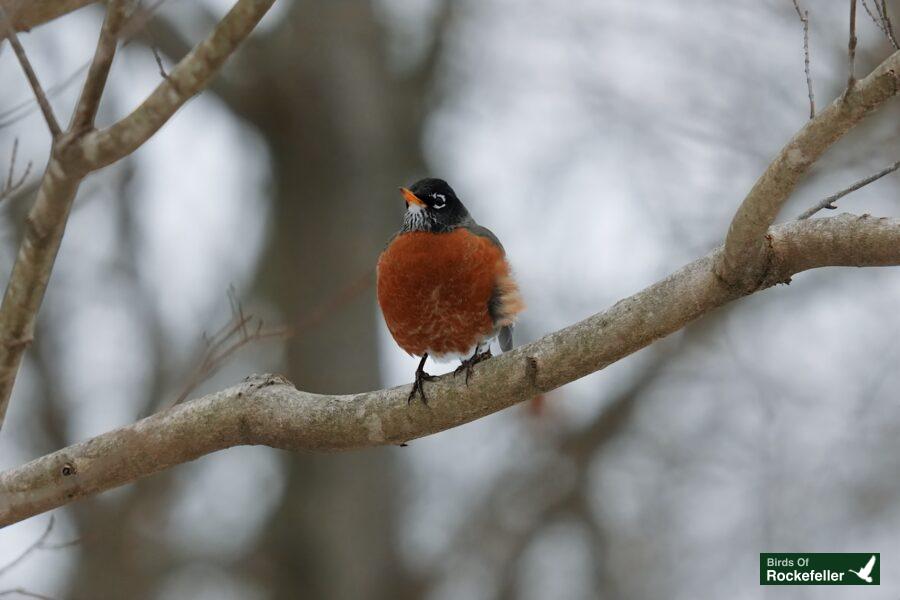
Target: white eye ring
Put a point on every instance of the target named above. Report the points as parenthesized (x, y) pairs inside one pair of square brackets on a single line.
[(440, 203)]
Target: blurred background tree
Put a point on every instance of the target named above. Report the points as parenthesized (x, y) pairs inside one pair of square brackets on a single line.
[(606, 143)]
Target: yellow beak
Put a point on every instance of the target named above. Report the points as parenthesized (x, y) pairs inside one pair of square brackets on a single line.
[(411, 198)]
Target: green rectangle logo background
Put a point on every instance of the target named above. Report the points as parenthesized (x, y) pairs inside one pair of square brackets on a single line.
[(790, 564)]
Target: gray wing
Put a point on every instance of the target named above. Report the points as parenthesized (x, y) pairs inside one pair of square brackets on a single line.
[(484, 232), (505, 337)]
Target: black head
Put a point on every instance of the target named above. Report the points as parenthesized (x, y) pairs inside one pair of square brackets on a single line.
[(432, 205)]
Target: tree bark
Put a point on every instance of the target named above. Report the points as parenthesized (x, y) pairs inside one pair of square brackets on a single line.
[(269, 410)]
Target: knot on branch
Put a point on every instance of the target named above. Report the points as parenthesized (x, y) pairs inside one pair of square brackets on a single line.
[(531, 370), (532, 375), (745, 280), (861, 102), (259, 381), (765, 271), (18, 343), (774, 272)]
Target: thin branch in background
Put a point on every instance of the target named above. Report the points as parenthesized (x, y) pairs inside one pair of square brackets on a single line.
[(875, 19), (888, 26), (36, 545), (804, 18), (140, 22), (158, 58), (25, 593), (851, 50), (154, 48), (30, 74), (828, 203), (12, 184), (242, 329)]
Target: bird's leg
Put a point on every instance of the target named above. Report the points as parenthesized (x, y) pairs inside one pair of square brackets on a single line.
[(421, 377), (468, 364)]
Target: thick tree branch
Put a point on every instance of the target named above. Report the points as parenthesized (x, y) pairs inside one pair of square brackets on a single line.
[(89, 102), (26, 14), (268, 410), (851, 49), (68, 165), (744, 259), (44, 228), (187, 79)]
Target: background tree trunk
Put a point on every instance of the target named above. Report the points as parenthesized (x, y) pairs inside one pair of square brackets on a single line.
[(335, 176)]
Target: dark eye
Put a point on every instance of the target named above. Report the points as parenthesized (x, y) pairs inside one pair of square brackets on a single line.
[(440, 201)]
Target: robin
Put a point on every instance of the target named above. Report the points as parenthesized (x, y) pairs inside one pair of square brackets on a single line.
[(444, 284)]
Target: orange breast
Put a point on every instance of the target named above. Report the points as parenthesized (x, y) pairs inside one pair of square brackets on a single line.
[(434, 290)]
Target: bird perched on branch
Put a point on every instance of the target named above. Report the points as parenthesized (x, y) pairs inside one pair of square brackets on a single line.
[(444, 284)]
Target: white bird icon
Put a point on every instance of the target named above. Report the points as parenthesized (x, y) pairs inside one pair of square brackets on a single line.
[(866, 572)]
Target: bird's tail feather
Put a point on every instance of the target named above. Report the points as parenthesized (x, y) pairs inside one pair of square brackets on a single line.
[(506, 338)]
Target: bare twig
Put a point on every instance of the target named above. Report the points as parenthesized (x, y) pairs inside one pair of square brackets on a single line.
[(804, 18), (244, 329), (888, 26), (36, 545), (140, 22), (851, 50), (875, 19), (154, 48), (13, 38), (89, 102), (158, 58), (240, 331), (828, 203), (26, 593), (12, 184)]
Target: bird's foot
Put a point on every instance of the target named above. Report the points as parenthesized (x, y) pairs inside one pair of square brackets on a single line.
[(469, 364), (417, 388)]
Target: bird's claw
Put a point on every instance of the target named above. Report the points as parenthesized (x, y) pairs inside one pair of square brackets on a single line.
[(421, 376), (469, 364)]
